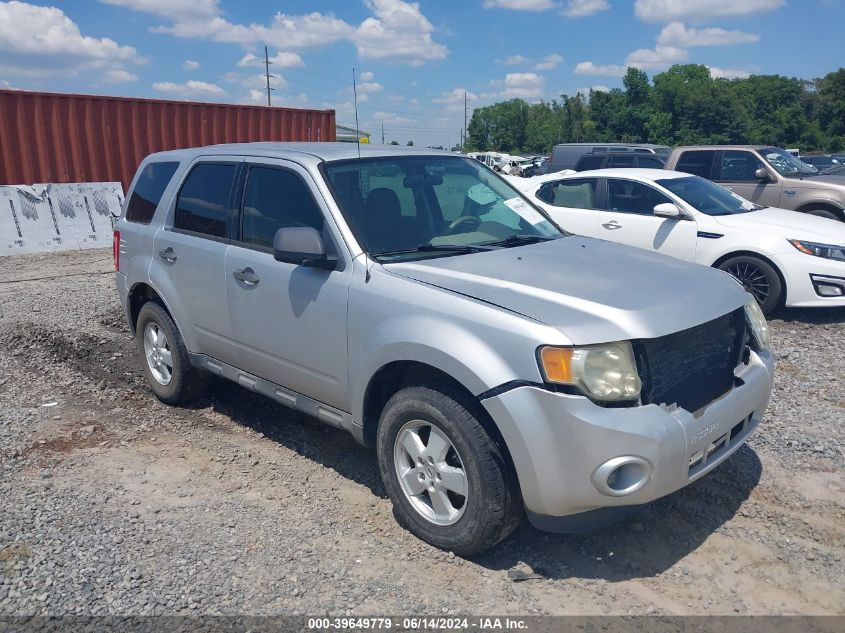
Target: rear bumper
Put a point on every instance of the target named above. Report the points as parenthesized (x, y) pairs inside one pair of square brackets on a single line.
[(564, 447)]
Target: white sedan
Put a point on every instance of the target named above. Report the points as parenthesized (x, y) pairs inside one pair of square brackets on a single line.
[(781, 257)]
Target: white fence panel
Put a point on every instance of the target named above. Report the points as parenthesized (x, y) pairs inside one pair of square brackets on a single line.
[(53, 217)]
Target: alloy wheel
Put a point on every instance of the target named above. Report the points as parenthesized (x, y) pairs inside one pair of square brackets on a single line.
[(752, 279), (430, 472), (157, 353)]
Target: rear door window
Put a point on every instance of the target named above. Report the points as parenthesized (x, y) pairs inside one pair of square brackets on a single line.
[(148, 190), (574, 193), (203, 205), (699, 163), (590, 162), (622, 161)]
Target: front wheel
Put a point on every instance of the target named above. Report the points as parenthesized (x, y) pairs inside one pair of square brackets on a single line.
[(759, 279), (446, 477)]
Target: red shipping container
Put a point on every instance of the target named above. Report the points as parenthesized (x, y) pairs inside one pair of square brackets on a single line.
[(58, 138)]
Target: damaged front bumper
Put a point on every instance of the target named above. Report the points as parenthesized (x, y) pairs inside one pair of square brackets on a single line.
[(574, 457)]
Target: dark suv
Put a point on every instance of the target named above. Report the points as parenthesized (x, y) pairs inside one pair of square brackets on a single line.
[(600, 161)]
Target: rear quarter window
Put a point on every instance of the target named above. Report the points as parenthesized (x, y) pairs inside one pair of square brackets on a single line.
[(148, 190)]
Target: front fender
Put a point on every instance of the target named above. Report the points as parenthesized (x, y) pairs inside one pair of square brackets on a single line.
[(392, 318)]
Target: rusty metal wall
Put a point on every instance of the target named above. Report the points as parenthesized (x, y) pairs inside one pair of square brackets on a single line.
[(60, 138)]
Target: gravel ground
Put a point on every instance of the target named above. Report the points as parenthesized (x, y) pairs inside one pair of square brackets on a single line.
[(114, 503)]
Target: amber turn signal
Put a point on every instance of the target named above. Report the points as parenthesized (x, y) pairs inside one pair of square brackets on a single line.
[(557, 364)]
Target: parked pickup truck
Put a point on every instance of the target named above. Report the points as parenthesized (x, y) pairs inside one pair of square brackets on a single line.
[(418, 301), (768, 176)]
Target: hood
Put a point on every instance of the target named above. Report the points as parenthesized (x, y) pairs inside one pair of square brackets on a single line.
[(787, 224), (591, 290)]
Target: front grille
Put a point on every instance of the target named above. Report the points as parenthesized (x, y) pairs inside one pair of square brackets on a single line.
[(693, 367)]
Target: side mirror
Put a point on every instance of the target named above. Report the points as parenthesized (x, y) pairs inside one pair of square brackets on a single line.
[(761, 174), (303, 246), (668, 210)]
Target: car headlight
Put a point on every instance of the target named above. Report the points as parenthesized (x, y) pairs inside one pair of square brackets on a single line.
[(828, 251), (760, 333), (606, 372)]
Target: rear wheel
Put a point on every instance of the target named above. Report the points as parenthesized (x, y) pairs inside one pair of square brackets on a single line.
[(164, 357), (448, 481), (758, 277)]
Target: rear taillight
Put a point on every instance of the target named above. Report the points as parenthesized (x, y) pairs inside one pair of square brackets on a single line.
[(115, 250)]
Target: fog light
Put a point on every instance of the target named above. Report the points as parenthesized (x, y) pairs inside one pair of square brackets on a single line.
[(622, 476), (828, 286), (826, 290)]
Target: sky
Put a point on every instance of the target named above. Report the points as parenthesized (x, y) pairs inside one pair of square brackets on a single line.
[(413, 61)]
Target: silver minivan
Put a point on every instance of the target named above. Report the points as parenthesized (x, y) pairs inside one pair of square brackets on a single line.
[(498, 365)]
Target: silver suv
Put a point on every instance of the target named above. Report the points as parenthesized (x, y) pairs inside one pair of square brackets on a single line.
[(418, 301)]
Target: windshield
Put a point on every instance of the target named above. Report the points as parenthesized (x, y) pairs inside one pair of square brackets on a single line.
[(415, 207), (786, 164), (707, 197)]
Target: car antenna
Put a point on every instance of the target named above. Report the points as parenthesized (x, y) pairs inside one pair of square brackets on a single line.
[(361, 183)]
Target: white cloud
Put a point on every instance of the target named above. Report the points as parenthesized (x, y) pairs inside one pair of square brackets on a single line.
[(281, 60), (455, 98), (608, 70), (699, 10), (549, 62), (190, 64), (515, 60), (728, 73), (285, 59), (523, 86), (119, 76), (248, 60), (658, 58), (173, 9), (520, 5), (398, 31), (190, 88), (369, 86), (582, 8), (43, 41), (677, 35), (367, 76)]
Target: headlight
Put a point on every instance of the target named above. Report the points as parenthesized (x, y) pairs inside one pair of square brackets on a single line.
[(762, 337), (605, 372), (828, 251)]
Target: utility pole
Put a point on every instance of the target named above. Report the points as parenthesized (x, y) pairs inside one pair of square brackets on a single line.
[(267, 73), (465, 117), (382, 133)]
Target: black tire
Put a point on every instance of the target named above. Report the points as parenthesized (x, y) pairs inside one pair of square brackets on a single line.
[(186, 382), (493, 506), (824, 213), (758, 277)]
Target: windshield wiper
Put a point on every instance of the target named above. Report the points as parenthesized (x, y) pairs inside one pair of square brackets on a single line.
[(431, 248), (519, 240)]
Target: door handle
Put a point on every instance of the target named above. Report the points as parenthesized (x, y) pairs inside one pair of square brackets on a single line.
[(167, 254), (246, 275), (613, 224)]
